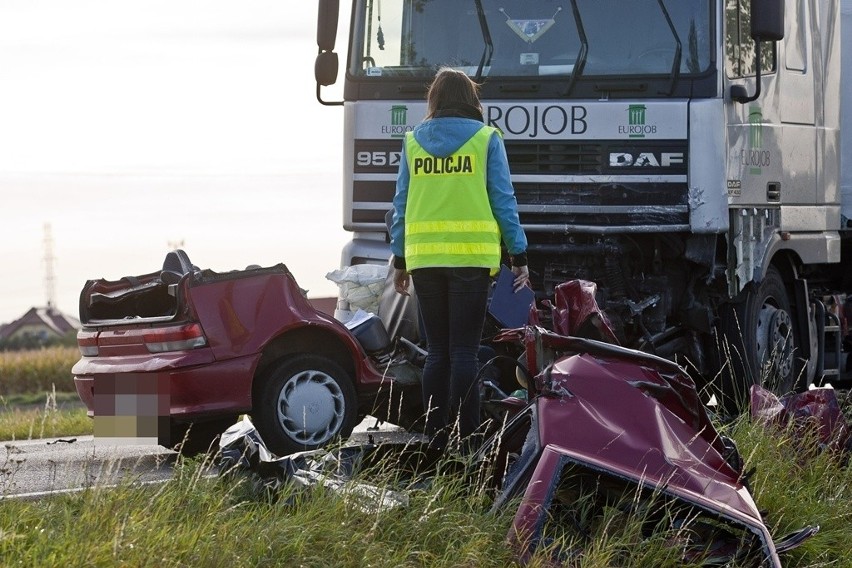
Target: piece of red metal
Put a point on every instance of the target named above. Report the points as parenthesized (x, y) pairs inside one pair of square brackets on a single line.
[(815, 410), (624, 419)]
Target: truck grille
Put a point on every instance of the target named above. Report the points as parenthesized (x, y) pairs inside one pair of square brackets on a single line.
[(553, 158), (579, 189)]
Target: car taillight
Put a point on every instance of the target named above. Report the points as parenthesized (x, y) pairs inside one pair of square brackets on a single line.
[(87, 341), (181, 338)]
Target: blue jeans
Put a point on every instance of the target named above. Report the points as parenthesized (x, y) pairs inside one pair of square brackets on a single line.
[(452, 304)]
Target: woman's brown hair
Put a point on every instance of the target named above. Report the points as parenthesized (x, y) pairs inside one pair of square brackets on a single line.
[(452, 89)]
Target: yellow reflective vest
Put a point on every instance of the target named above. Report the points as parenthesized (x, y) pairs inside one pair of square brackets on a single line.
[(448, 218)]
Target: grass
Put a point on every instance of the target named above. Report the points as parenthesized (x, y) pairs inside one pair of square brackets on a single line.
[(798, 484), (37, 395), (22, 417), (33, 399), (195, 520), (40, 370)]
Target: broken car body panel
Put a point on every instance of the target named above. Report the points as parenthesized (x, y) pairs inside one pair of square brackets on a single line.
[(816, 410), (630, 421)]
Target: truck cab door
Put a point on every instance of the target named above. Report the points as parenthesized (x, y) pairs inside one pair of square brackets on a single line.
[(796, 82)]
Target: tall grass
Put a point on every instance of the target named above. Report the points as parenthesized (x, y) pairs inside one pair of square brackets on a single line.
[(35, 388), (38, 370), (797, 484), (195, 520), (45, 420)]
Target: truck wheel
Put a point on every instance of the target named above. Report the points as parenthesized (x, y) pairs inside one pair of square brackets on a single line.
[(761, 337), (305, 402)]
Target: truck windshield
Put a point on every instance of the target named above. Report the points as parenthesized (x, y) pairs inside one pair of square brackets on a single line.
[(522, 38)]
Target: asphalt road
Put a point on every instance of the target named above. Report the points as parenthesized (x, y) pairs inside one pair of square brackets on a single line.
[(33, 469)]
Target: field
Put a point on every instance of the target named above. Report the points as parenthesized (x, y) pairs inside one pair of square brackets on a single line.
[(37, 396), (39, 371), (199, 519)]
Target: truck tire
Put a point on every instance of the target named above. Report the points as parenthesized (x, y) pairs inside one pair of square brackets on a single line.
[(758, 343), (306, 401)]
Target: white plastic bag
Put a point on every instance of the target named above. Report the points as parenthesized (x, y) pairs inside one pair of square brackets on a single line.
[(360, 285)]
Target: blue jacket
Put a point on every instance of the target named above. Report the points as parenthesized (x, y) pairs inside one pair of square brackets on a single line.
[(441, 137)]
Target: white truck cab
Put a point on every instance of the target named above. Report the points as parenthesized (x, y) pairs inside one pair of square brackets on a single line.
[(685, 155)]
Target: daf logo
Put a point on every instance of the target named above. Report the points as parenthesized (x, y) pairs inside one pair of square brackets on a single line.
[(649, 159)]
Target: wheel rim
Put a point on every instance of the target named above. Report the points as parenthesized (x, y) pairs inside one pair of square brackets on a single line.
[(774, 339), (311, 407)]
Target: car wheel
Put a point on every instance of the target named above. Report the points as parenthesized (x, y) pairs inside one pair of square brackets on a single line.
[(305, 402)]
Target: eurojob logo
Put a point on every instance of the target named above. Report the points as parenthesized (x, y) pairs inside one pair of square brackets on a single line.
[(755, 157), (755, 134), (399, 122), (636, 126)]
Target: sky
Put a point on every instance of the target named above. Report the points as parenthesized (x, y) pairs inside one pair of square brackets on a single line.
[(128, 128)]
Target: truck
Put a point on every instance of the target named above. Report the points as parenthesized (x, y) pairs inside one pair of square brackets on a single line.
[(691, 157)]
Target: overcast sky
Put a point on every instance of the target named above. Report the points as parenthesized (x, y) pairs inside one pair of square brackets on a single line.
[(128, 126)]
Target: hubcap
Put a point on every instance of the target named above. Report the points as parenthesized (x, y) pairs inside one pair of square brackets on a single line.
[(311, 407), (774, 341)]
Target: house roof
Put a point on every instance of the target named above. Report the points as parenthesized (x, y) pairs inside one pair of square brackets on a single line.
[(49, 317)]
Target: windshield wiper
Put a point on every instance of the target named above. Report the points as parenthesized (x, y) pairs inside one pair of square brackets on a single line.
[(486, 36), (675, 73), (580, 60)]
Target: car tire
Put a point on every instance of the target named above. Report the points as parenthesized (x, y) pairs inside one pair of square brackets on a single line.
[(305, 402)]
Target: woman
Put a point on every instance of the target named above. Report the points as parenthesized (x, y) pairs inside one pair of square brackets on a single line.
[(454, 201)]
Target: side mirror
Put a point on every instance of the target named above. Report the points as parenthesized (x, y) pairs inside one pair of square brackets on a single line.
[(767, 20), (327, 15), (326, 65), (325, 68), (767, 24)]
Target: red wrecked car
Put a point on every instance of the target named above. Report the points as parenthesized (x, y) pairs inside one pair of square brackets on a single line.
[(601, 428), (181, 346)]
